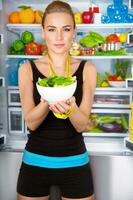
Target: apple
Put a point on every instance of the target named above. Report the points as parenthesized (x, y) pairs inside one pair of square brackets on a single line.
[(87, 17), (78, 17)]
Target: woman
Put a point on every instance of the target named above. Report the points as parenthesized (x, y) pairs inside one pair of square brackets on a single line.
[(55, 153)]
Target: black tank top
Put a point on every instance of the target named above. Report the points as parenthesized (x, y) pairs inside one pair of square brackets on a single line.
[(56, 137)]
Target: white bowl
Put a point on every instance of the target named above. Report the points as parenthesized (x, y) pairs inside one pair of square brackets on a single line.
[(118, 84), (54, 94)]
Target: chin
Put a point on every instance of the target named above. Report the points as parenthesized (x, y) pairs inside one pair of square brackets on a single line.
[(58, 51)]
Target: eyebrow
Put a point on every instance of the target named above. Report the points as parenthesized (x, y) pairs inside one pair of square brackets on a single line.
[(62, 27)]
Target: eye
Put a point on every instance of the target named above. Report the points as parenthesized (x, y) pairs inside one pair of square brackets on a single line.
[(51, 29), (67, 29)]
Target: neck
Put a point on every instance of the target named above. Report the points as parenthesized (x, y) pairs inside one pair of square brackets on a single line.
[(63, 64), (58, 60)]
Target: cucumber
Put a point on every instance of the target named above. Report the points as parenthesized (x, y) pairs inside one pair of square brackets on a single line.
[(124, 121)]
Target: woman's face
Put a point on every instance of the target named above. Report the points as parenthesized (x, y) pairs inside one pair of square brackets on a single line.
[(58, 31)]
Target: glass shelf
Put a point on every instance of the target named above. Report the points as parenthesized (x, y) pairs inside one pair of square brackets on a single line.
[(77, 57), (79, 26)]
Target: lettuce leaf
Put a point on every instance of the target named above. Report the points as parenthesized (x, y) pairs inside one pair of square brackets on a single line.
[(56, 81)]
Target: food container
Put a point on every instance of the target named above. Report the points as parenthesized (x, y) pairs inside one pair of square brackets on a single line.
[(110, 46), (54, 94), (97, 18), (118, 84), (87, 51)]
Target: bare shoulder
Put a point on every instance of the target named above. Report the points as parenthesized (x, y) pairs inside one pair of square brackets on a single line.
[(90, 67), (40, 61), (89, 72), (24, 67), (25, 70), (75, 61)]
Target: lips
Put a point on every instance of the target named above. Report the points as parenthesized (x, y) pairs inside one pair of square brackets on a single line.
[(59, 45)]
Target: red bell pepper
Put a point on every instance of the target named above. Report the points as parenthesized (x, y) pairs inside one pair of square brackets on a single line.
[(33, 48)]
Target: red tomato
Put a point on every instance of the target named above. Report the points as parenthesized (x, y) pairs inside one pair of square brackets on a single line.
[(112, 78), (33, 48), (112, 38)]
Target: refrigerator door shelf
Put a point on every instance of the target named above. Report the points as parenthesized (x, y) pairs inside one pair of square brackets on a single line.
[(2, 140)]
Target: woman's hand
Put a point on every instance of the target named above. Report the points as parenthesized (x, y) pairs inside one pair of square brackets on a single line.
[(62, 106)]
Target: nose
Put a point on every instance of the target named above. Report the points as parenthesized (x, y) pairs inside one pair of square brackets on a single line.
[(59, 35)]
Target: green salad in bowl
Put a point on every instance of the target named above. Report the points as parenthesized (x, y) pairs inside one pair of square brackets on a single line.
[(56, 81), (56, 88)]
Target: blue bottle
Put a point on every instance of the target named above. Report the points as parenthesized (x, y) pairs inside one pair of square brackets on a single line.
[(111, 10), (128, 18), (118, 3), (105, 19), (123, 9), (117, 18)]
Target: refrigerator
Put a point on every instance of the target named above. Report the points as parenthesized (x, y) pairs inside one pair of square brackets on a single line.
[(111, 160)]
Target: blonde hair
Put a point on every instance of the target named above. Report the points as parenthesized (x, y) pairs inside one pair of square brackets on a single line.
[(58, 6)]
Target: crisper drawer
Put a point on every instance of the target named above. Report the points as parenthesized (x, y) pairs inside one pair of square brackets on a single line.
[(112, 99), (109, 122), (13, 97), (16, 125)]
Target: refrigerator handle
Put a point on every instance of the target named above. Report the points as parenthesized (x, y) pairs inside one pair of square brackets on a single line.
[(1, 38)]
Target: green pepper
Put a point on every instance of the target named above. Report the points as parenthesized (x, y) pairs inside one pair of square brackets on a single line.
[(18, 45), (27, 37), (11, 51)]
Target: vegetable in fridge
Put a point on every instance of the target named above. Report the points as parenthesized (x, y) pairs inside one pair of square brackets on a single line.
[(56, 81), (27, 37), (18, 45)]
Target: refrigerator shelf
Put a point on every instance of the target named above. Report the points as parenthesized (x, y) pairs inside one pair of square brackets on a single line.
[(79, 26), (97, 89), (130, 56), (107, 105), (87, 134), (24, 56), (113, 89)]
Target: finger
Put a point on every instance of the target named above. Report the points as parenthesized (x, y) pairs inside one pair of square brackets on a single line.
[(63, 106), (60, 108), (42, 99), (53, 108), (72, 99)]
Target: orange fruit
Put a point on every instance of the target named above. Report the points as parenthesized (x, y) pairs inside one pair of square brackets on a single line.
[(26, 16), (38, 16), (14, 17)]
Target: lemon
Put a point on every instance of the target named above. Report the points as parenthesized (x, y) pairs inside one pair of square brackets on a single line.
[(105, 84), (123, 37), (119, 78)]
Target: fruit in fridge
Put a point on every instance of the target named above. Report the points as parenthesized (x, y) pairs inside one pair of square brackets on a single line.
[(26, 15), (38, 16), (14, 17)]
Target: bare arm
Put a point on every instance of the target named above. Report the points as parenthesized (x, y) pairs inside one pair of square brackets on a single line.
[(80, 117), (34, 115)]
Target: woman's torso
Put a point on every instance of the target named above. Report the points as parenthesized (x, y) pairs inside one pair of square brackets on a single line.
[(56, 137)]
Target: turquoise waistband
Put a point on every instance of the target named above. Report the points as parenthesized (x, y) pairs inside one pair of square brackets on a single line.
[(55, 162)]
